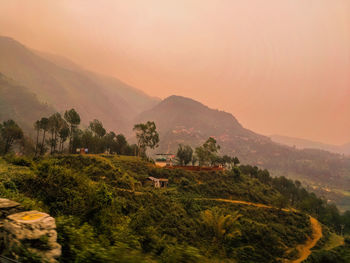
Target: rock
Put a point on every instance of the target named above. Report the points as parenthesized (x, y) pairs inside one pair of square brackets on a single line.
[(35, 230), (6, 203), (8, 207)]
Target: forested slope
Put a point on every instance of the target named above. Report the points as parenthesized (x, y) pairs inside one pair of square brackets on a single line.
[(106, 211), (182, 120)]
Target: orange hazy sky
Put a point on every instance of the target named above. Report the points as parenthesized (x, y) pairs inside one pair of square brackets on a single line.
[(280, 66)]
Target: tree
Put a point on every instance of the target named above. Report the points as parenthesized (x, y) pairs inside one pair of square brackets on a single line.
[(87, 140), (37, 128), (56, 123), (77, 141), (227, 160), (44, 125), (202, 156), (184, 154), (63, 134), (109, 142), (207, 153), (147, 136), (26, 146), (121, 145), (219, 225), (194, 160), (73, 119), (97, 128), (10, 132), (211, 146), (235, 161)]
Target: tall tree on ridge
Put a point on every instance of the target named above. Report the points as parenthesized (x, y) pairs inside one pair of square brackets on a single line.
[(97, 128), (184, 154), (44, 125), (73, 119), (63, 133), (55, 123), (37, 128), (147, 136)]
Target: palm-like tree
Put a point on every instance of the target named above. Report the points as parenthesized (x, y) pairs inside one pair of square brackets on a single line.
[(73, 119), (221, 225)]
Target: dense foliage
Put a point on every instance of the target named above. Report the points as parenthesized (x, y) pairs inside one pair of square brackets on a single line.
[(106, 211)]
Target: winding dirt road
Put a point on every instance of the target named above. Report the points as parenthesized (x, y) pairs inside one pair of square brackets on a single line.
[(304, 249)]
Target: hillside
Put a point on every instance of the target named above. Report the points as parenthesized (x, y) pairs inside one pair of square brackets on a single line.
[(63, 87), (183, 120), (104, 208), (17, 102), (307, 144)]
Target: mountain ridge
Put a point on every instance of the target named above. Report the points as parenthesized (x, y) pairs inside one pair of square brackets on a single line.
[(178, 119), (309, 144), (181, 120), (64, 88)]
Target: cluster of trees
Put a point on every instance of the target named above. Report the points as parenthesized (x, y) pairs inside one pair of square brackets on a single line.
[(54, 131), (10, 133), (293, 194), (62, 134), (204, 155)]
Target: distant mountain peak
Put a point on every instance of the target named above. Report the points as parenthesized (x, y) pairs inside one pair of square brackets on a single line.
[(63, 84), (178, 98), (9, 42)]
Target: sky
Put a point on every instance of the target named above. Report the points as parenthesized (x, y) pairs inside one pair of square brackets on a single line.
[(280, 67)]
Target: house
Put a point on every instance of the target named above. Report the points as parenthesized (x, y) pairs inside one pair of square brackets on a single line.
[(164, 159), (158, 182)]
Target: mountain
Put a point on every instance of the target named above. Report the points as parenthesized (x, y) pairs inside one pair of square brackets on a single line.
[(139, 100), (183, 120), (18, 103), (56, 82), (307, 144)]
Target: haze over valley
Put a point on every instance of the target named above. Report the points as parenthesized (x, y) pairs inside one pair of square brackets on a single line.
[(175, 131)]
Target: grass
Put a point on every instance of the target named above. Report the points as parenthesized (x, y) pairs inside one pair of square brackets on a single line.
[(333, 241)]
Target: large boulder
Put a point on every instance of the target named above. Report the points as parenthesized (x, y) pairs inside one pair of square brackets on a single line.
[(33, 230)]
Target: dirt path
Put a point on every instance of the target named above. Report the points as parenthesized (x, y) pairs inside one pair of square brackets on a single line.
[(243, 203), (304, 249), (130, 191)]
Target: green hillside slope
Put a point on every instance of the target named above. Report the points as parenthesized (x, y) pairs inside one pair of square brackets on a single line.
[(183, 120), (107, 212)]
